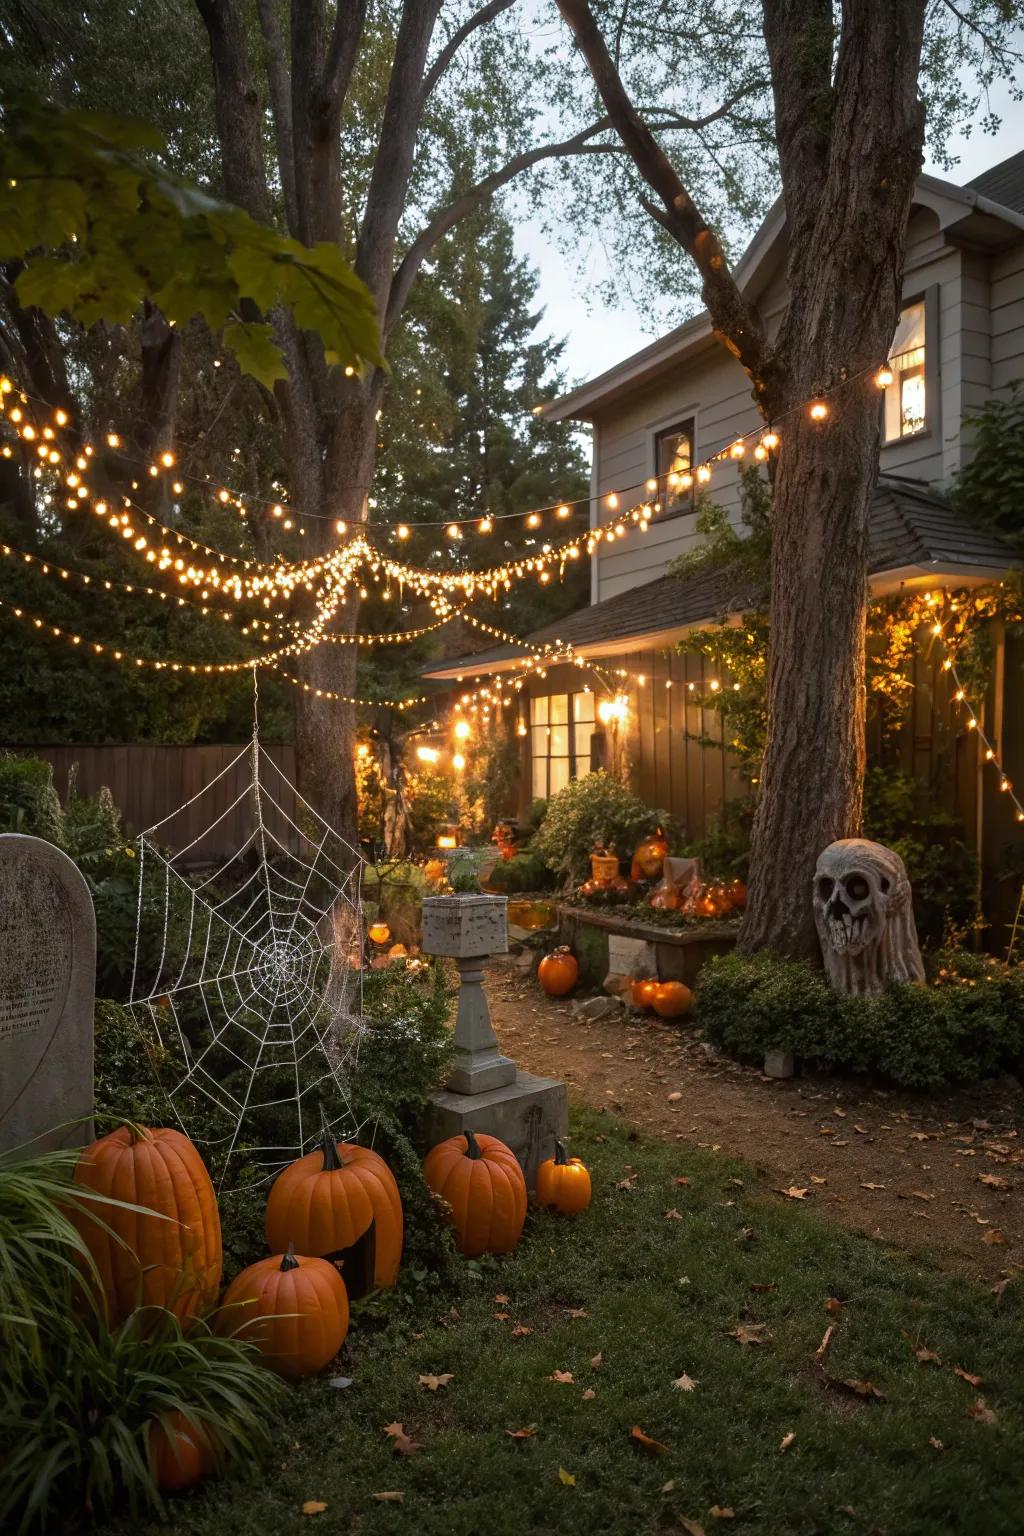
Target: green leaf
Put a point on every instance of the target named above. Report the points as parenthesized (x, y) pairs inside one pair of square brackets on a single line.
[(256, 351), (50, 284)]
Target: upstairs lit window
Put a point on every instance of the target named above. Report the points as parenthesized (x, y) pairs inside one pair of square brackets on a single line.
[(674, 455), (905, 396)]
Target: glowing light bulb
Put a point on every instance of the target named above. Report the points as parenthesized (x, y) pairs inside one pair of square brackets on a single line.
[(533, 521), (453, 531), (113, 441), (738, 449), (818, 411), (458, 762), (402, 531), (612, 500), (167, 460), (340, 527), (61, 418), (564, 511), (884, 376), (704, 474), (427, 754), (462, 730), (485, 525)]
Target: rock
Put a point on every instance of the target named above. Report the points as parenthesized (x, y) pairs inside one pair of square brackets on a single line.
[(595, 1008), (779, 1064), (47, 993), (709, 1052), (616, 984)]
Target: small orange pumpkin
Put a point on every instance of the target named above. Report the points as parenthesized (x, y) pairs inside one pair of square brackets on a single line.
[(480, 1179), (294, 1310), (563, 1182), (340, 1202), (672, 999), (650, 856), (642, 991), (180, 1452), (558, 972), (738, 894), (665, 899), (169, 1254)]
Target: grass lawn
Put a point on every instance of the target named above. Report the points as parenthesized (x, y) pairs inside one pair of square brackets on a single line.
[(658, 1298)]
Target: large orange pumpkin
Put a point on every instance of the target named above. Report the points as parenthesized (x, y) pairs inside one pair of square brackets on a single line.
[(168, 1255), (340, 1202), (650, 856), (482, 1182), (558, 972), (563, 1182), (180, 1452), (295, 1310), (672, 999)]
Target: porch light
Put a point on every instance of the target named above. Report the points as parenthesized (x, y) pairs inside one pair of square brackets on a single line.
[(884, 376), (616, 709), (449, 838)]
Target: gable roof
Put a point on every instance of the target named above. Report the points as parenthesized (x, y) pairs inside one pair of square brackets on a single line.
[(914, 537)]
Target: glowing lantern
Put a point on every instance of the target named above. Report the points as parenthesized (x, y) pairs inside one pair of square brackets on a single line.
[(379, 933)]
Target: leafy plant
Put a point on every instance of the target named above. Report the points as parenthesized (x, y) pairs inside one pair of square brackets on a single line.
[(943, 871), (464, 870), (990, 487), (596, 811), (522, 872)]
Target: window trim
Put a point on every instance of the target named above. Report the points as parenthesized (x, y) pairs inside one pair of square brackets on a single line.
[(574, 758), (932, 425), (687, 414)]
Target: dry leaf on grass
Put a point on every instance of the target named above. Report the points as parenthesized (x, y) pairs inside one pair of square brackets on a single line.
[(722, 1512), (575, 1312), (521, 1330), (433, 1382), (822, 1349), (787, 1441), (388, 1496), (673, 1215), (501, 1317), (588, 1395), (562, 1376), (927, 1356), (566, 1478), (936, 1445), (746, 1234), (674, 1098), (980, 1411), (685, 1383), (639, 1437), (314, 1507), (794, 1192), (749, 1333), (840, 1112), (692, 1527), (872, 1186), (999, 1289), (596, 1361), (628, 1183), (920, 1194), (502, 1301), (668, 1487), (525, 1433), (681, 1179), (866, 1389), (403, 1443), (972, 1381), (833, 1305), (994, 1238)]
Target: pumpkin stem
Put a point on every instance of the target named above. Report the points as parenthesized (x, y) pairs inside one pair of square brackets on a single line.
[(472, 1149), (561, 1156), (289, 1260), (332, 1162)]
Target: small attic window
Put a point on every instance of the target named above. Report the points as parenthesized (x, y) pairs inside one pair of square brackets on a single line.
[(673, 452), (905, 401)]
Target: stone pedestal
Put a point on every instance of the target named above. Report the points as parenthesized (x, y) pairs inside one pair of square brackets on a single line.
[(528, 1114), (479, 1064)]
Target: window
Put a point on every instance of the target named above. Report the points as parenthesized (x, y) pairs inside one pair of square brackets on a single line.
[(673, 450), (561, 725), (905, 396)]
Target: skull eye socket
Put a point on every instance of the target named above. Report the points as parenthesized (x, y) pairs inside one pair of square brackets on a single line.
[(857, 888), (825, 888), (884, 884)]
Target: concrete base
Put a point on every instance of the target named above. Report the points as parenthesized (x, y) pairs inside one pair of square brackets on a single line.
[(481, 1072), (779, 1064), (528, 1114)]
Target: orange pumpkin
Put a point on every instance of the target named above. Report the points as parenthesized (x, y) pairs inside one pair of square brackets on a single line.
[(168, 1255), (340, 1202), (642, 992), (294, 1310), (672, 999), (665, 899), (483, 1184), (558, 972), (180, 1452), (563, 1182), (649, 857), (738, 894), (435, 870)]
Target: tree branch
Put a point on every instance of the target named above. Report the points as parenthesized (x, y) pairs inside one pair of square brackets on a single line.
[(446, 218), (736, 322), (281, 105), (479, 19), (342, 53), (237, 109)]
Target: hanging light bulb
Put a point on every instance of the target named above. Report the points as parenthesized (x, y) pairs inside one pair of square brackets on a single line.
[(818, 411)]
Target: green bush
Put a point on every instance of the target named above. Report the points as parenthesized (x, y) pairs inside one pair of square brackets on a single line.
[(967, 1023), (522, 872), (900, 812), (597, 811)]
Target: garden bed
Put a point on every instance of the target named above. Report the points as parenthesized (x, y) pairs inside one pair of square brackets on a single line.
[(679, 952)]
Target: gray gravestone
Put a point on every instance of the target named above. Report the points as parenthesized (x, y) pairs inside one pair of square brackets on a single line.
[(47, 992)]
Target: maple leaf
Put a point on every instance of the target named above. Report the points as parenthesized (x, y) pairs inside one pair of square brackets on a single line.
[(575, 1312), (980, 1411), (787, 1441), (822, 1349), (692, 1527), (840, 1112), (639, 1437), (314, 1507), (502, 1301), (566, 1478), (794, 1192), (748, 1333), (403, 1443), (994, 1181), (863, 1388), (995, 1238), (919, 1136), (833, 1305), (525, 1433), (673, 1215), (972, 1381), (682, 1180), (562, 1376), (588, 1395), (388, 1496), (596, 1361), (521, 1330), (629, 1182), (927, 1356), (433, 1382), (722, 1512), (685, 1383)]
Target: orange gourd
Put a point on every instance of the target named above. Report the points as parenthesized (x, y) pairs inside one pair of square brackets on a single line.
[(558, 972), (340, 1202), (168, 1255), (672, 999), (563, 1182), (481, 1181), (180, 1452), (295, 1310), (642, 992)]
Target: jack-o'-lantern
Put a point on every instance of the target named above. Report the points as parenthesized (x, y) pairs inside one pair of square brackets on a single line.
[(649, 857), (642, 991)]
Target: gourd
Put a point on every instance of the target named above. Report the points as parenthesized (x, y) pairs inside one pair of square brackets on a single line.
[(738, 894), (340, 1201), (481, 1181), (166, 1255), (180, 1452), (563, 1182), (558, 972), (671, 999), (295, 1310)]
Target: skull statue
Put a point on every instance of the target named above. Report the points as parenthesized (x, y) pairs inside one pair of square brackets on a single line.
[(865, 918)]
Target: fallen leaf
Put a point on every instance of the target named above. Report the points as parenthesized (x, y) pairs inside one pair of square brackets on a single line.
[(389, 1496), (629, 1182), (746, 1234), (500, 1317), (575, 1312), (794, 1192), (994, 1238), (682, 1180), (840, 1112), (502, 1301), (520, 1331), (994, 1181), (863, 1388), (522, 1434), (972, 1381), (692, 1527), (762, 1289), (872, 1186), (787, 1441), (674, 1098), (668, 1487), (927, 1356), (566, 1478), (433, 1382), (861, 1130), (645, 1440), (833, 1305), (722, 1513), (588, 1395), (936, 1445), (314, 1507), (816, 1180), (596, 1361), (403, 1443), (685, 1383), (999, 1289), (919, 1136), (978, 1410), (748, 1333), (562, 1376), (673, 1215), (822, 1349), (738, 1182), (919, 1194)]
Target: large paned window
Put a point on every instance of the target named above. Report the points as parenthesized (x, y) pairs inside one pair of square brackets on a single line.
[(673, 459), (561, 725), (905, 396)]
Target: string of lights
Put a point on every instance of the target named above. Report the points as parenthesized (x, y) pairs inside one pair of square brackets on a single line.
[(346, 698)]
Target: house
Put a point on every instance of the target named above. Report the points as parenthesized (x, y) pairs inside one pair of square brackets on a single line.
[(683, 399)]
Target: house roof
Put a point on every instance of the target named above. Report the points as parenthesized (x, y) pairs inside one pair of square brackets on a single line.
[(914, 538), (1003, 183)]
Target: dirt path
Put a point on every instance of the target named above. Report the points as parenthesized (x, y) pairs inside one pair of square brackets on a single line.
[(940, 1172)]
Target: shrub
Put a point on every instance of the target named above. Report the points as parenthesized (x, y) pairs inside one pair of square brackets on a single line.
[(967, 1023), (28, 801), (596, 811), (522, 872)]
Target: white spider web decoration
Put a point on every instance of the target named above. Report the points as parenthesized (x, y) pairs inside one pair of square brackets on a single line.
[(249, 973)]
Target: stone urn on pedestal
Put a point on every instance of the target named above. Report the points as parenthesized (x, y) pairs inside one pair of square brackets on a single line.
[(486, 1091)]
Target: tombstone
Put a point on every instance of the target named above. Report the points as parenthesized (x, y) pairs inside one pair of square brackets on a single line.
[(47, 992)]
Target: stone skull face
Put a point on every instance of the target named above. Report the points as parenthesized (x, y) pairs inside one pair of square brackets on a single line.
[(854, 892)]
